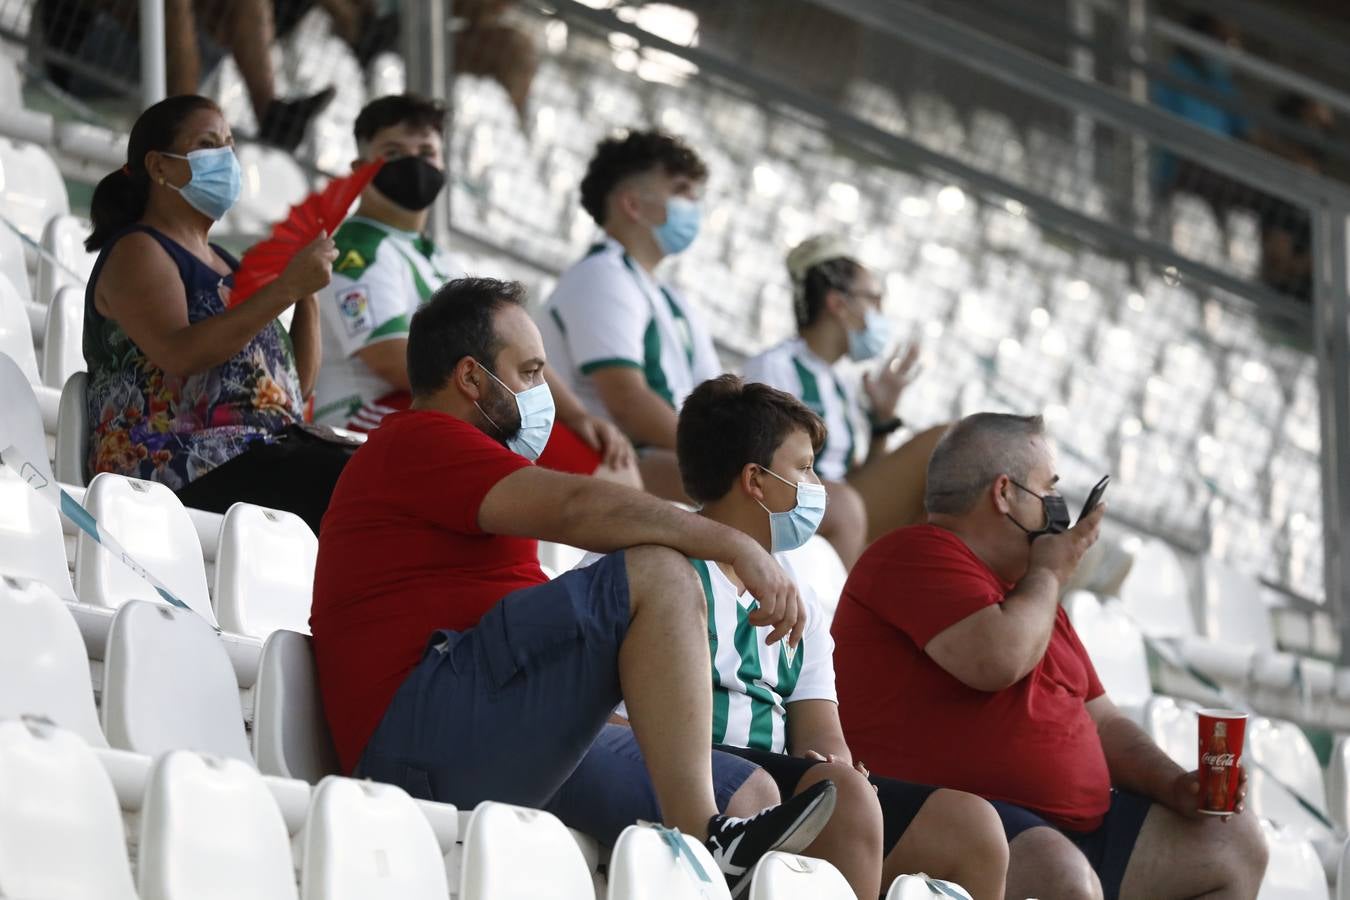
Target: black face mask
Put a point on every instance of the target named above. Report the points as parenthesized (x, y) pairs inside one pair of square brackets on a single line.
[(1056, 514), (409, 181)]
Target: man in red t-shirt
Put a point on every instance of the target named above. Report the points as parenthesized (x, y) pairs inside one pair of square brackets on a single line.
[(450, 666), (957, 667)]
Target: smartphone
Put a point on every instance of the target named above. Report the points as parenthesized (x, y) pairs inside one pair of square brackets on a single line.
[(1095, 497)]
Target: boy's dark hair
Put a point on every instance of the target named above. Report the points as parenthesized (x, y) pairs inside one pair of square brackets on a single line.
[(617, 158), (728, 422), (412, 110), (457, 321)]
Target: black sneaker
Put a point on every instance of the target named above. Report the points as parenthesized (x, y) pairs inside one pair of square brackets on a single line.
[(737, 844), (284, 122)]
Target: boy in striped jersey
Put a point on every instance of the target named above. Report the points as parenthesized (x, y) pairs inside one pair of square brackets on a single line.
[(747, 454), (745, 449), (837, 303)]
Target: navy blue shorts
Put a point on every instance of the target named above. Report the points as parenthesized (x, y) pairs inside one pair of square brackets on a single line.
[(611, 790), (507, 709), (1107, 849)]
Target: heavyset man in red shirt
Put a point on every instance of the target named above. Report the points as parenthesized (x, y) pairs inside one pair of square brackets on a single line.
[(451, 666), (957, 667)]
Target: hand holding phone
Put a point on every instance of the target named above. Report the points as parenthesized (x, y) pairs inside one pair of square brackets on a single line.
[(1095, 497)]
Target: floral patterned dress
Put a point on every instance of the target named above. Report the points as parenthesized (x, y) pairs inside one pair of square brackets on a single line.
[(152, 425)]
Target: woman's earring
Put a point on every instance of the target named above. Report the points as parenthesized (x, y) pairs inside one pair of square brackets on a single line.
[(161, 182)]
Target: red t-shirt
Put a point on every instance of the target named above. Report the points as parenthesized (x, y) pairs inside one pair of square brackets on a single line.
[(400, 556), (1033, 744)]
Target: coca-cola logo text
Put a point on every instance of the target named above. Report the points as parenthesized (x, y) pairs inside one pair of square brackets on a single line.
[(1219, 760)]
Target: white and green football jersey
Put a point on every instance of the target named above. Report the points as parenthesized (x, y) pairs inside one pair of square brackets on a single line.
[(793, 368), (382, 275), (754, 682), (607, 311)]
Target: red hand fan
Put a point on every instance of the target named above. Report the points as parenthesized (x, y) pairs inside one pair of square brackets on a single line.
[(321, 211)]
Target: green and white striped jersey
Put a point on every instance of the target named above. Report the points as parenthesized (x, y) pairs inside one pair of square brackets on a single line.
[(607, 311), (793, 368), (382, 275), (754, 682)]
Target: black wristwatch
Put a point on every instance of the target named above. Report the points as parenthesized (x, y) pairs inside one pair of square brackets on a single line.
[(885, 427)]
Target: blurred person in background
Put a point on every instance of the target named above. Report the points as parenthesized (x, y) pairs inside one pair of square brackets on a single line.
[(746, 453), (837, 303), (623, 340), (387, 267), (1286, 230), (203, 398), (958, 667), (97, 47)]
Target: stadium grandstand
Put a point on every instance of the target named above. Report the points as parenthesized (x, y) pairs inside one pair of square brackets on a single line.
[(1128, 217)]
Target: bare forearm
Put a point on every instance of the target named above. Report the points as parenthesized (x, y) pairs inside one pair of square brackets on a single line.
[(203, 345), (1029, 619), (1135, 762), (305, 340), (645, 418), (604, 517)]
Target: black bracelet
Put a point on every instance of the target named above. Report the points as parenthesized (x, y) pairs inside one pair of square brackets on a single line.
[(887, 427)]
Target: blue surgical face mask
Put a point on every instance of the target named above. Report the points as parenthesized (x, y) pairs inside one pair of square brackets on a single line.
[(535, 409), (791, 528), (872, 339), (680, 228), (215, 181)]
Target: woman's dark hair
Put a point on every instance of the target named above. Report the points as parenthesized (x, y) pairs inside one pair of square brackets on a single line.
[(808, 295), (120, 197), (617, 158), (727, 423), (457, 321)]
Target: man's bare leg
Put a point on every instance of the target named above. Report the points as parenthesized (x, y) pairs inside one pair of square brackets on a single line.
[(1043, 863), (182, 61), (663, 670), (1176, 856), (893, 484), (957, 837), (247, 28)]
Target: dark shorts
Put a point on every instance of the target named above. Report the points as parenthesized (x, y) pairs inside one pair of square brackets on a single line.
[(506, 710), (611, 790), (900, 800), (1107, 849)]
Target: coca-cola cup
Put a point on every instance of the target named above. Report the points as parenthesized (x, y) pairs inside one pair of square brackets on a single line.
[(1221, 733)]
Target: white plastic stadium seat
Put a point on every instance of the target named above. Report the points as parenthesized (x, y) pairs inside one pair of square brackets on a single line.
[(290, 733), (210, 830), (1293, 871), (644, 866), (63, 336), (786, 876), (501, 836), (32, 190), (31, 542), (1116, 648), (153, 526), (264, 571), (16, 333), (168, 684), (44, 669), (559, 558), (1283, 749), (363, 840), (921, 887), (1338, 783), (72, 432), (13, 264), (1175, 728), (271, 182), (1155, 592), (69, 263), (1343, 873), (60, 825)]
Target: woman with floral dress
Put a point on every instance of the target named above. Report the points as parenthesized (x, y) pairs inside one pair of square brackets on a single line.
[(183, 389)]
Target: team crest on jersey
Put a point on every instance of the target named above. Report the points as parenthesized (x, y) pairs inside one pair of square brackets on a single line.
[(352, 260), (354, 304)]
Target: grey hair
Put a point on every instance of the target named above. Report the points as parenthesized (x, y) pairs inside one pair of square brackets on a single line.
[(974, 452)]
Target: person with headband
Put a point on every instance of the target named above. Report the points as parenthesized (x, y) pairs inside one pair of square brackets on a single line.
[(837, 302), (387, 267), (204, 398), (746, 455), (625, 341)]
